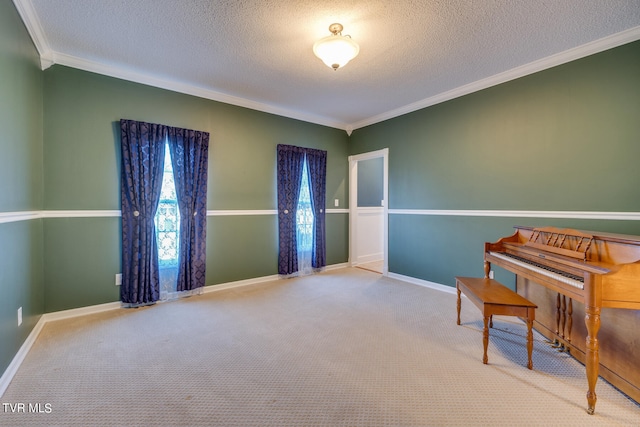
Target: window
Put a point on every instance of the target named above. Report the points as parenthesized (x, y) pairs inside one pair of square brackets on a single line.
[(304, 217), (167, 218), (146, 160), (301, 172)]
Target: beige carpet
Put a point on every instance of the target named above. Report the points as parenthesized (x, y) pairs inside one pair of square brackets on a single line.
[(342, 348)]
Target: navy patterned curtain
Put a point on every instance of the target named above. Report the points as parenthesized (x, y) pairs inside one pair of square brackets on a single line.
[(317, 163), (289, 175), (189, 158), (142, 147)]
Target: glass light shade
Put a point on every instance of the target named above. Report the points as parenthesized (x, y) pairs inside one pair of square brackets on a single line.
[(336, 50)]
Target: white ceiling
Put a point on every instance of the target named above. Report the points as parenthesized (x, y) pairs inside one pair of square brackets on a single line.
[(258, 53)]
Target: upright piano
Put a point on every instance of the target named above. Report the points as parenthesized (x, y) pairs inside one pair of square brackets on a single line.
[(556, 267)]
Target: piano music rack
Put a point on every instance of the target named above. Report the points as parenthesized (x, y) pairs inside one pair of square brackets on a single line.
[(561, 241)]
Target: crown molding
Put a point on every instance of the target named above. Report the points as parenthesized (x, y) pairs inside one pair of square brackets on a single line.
[(582, 51), (32, 23), (46, 61), (48, 57), (176, 86)]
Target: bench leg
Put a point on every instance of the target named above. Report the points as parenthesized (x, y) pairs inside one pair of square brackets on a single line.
[(459, 303), (529, 342), (485, 339)]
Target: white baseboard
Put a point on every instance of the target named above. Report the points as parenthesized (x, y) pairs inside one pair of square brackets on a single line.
[(363, 259), (258, 280), (336, 266), (11, 370), (239, 283), (13, 367), (82, 311), (425, 283)]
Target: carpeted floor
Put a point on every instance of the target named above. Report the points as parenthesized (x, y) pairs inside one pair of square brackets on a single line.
[(342, 348)]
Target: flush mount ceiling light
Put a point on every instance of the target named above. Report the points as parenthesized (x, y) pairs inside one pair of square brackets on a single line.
[(336, 50)]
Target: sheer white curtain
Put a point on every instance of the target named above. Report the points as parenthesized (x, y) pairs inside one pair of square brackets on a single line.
[(304, 225), (168, 237), (167, 225)]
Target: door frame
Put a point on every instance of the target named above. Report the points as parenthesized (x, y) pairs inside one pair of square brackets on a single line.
[(353, 205)]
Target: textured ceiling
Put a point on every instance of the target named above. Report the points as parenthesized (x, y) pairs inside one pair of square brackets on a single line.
[(258, 53)]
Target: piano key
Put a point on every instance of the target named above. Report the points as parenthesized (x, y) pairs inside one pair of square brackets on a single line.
[(559, 275)]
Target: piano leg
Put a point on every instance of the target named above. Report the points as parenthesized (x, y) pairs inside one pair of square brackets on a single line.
[(558, 314), (563, 317), (570, 326), (556, 343), (592, 320)]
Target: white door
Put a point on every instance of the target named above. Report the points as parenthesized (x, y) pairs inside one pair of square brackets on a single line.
[(368, 209)]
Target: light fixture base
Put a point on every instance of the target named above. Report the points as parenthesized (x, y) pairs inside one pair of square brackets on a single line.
[(336, 28)]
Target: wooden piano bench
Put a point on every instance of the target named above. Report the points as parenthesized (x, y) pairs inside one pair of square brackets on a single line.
[(492, 297)]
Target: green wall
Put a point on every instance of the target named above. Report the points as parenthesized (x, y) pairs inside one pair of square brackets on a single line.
[(564, 139), (82, 172), (21, 256)]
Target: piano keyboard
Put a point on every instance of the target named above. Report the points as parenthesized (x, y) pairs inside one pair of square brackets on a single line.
[(554, 273)]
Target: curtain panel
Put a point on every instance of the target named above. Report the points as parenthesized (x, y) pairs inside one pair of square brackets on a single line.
[(142, 162), (189, 158), (290, 164), (290, 161), (143, 151), (317, 163)]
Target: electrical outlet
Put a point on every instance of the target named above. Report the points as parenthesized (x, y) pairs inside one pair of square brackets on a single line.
[(118, 279), (20, 316), (491, 274), (336, 203)]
